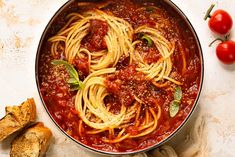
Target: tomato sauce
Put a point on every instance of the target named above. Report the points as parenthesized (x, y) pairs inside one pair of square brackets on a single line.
[(127, 82), (95, 39)]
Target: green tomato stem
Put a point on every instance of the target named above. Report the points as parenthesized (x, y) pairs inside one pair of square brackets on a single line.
[(218, 39), (209, 12)]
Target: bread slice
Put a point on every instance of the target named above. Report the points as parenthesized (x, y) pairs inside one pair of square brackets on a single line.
[(17, 117), (33, 142)]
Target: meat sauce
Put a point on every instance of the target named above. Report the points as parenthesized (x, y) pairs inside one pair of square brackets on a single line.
[(127, 82)]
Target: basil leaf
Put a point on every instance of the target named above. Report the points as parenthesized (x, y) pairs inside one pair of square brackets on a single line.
[(71, 70), (149, 41), (74, 81), (178, 94), (174, 108), (75, 87), (74, 84)]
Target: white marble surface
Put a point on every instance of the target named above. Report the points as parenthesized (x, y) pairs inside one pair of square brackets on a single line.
[(21, 25)]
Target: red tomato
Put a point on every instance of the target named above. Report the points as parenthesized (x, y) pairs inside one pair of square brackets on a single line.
[(225, 51), (220, 22)]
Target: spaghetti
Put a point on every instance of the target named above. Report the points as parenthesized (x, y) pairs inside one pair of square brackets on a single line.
[(118, 39), (93, 111), (163, 67)]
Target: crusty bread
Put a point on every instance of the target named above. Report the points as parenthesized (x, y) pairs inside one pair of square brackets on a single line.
[(33, 142), (17, 117)]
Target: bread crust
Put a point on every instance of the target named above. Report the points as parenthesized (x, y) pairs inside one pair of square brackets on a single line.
[(34, 142), (17, 117)]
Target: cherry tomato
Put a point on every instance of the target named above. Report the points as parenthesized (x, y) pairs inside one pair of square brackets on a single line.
[(225, 52), (220, 22)]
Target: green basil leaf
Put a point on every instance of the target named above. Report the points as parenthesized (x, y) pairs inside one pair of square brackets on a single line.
[(74, 84), (72, 81), (149, 41), (75, 87), (178, 94), (174, 108), (71, 70)]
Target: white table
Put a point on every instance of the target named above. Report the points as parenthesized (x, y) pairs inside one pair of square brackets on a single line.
[(21, 25)]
